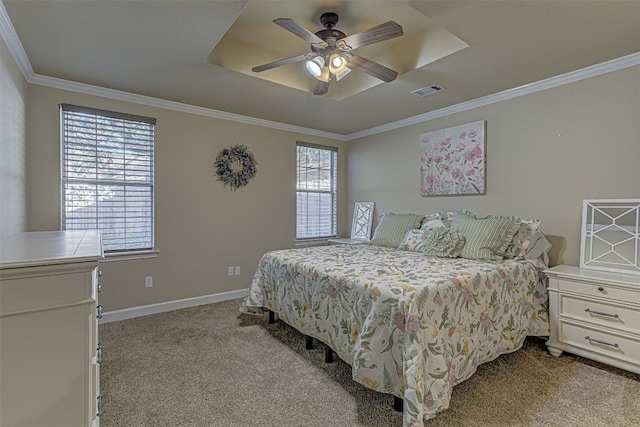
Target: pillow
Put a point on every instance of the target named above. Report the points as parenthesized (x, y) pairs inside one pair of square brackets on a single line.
[(432, 216), (487, 238), (430, 224), (539, 248), (414, 240), (523, 238), (392, 228), (444, 242), (447, 217)]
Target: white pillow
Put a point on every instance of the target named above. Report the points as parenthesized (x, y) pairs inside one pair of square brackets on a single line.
[(431, 224), (414, 240)]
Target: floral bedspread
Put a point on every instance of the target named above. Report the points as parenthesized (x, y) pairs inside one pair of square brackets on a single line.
[(408, 324)]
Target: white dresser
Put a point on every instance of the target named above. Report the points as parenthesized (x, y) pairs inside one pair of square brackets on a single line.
[(595, 314), (49, 351)]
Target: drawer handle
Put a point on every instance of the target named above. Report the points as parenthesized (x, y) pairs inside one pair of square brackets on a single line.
[(600, 288), (99, 309), (99, 353), (601, 342), (99, 288), (99, 272), (99, 406), (600, 313)]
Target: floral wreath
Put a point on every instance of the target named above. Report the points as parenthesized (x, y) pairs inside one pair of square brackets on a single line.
[(235, 166)]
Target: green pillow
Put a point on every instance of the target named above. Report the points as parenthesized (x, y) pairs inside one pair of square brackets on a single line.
[(392, 228), (486, 238), (444, 242)]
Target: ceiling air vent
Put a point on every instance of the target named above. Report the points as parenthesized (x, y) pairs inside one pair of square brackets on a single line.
[(428, 90)]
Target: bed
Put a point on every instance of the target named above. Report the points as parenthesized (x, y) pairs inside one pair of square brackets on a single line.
[(409, 324)]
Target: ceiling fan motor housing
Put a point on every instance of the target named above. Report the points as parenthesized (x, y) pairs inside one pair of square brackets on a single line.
[(329, 21)]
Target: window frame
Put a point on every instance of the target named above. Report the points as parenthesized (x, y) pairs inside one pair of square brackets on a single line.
[(333, 191), (124, 251)]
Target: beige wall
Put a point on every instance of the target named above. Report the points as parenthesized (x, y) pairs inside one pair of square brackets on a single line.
[(13, 123), (546, 152), (201, 227)]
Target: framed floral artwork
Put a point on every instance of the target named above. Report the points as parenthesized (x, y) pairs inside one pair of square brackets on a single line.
[(453, 161)]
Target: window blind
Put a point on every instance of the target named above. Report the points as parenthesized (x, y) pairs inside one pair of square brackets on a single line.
[(107, 176), (316, 215)]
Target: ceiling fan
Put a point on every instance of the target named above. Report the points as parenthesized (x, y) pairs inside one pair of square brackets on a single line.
[(332, 51)]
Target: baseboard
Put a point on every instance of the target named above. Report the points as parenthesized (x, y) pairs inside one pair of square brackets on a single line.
[(145, 310)]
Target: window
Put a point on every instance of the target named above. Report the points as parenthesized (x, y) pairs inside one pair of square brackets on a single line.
[(107, 176), (316, 191)]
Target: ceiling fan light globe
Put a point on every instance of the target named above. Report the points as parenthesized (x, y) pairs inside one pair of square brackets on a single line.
[(315, 65), (337, 63)]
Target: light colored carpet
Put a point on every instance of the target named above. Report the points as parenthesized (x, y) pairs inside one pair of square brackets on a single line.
[(213, 366)]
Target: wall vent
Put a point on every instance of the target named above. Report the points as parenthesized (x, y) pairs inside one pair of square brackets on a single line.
[(428, 90)]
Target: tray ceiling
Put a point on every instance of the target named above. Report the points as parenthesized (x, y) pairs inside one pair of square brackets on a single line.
[(163, 49)]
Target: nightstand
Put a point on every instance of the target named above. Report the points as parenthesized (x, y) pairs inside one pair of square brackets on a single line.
[(595, 314)]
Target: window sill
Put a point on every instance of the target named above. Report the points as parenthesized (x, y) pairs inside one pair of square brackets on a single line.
[(313, 242), (128, 256)]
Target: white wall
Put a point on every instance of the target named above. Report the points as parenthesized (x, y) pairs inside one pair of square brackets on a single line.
[(546, 152), (13, 124)]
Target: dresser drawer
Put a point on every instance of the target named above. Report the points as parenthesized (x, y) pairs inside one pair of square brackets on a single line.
[(39, 292), (624, 318), (618, 346), (599, 290)]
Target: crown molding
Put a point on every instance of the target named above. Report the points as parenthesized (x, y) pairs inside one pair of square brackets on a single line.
[(15, 47), (175, 106), (10, 37), (562, 79)]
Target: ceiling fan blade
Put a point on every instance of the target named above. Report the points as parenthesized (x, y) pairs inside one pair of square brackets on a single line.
[(297, 29), (280, 63), (320, 87), (379, 33), (372, 68)]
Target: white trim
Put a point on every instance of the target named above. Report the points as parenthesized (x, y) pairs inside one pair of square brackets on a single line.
[(313, 241), (562, 79), (128, 256), (15, 47), (145, 310), (87, 89), (12, 41)]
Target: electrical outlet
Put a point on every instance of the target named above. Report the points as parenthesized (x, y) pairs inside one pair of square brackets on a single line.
[(230, 271), (236, 270), (148, 281)]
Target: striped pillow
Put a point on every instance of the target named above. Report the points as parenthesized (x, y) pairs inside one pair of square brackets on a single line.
[(487, 238), (392, 228)]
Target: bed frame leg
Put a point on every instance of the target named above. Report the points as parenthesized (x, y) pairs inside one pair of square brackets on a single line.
[(398, 404), (328, 354), (272, 317), (308, 342)]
